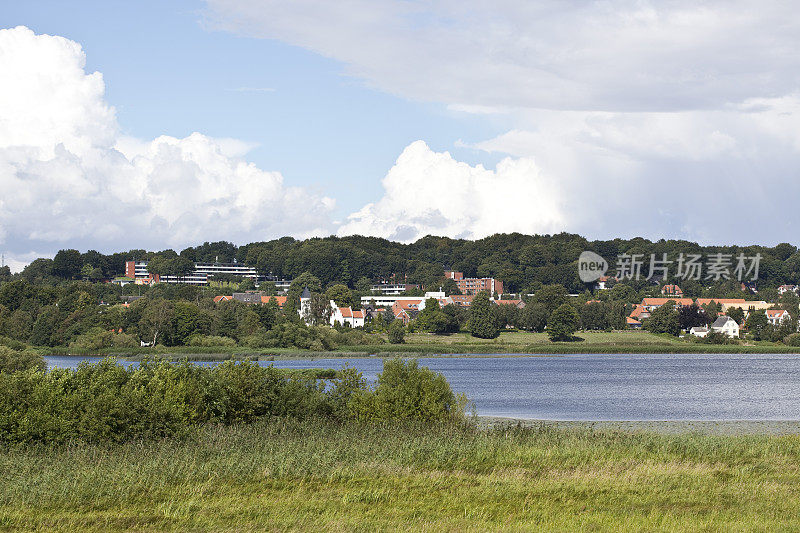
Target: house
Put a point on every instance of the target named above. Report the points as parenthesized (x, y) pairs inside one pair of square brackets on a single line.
[(722, 301), (519, 304), (726, 325), (248, 297), (786, 288), (406, 306), (633, 323), (346, 316), (777, 316), (639, 313), (672, 290), (406, 315), (222, 298), (699, 331), (122, 280)]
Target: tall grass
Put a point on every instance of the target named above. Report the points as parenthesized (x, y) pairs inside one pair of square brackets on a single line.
[(288, 474)]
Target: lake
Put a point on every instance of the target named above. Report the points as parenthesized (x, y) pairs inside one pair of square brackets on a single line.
[(605, 387)]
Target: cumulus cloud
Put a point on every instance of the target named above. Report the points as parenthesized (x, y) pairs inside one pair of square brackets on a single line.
[(431, 193), (69, 178)]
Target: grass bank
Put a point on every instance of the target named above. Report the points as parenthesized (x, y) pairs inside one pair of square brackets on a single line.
[(420, 344), (314, 475)]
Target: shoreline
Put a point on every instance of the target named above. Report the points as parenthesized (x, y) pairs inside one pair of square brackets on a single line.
[(665, 427)]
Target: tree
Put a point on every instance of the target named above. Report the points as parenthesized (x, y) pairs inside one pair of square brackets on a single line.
[(450, 287), (340, 294), (5, 273), (156, 320), (67, 264), (319, 312), (690, 316), (482, 322), (563, 323), (665, 319), (737, 314), (396, 332), (758, 324), (303, 281), (534, 317), (551, 296), (594, 315)]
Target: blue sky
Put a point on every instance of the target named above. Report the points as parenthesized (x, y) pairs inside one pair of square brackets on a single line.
[(397, 118), (167, 72)]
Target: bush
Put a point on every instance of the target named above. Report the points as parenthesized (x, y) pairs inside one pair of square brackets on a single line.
[(792, 340), (406, 392), (14, 361), (106, 402), (396, 332)]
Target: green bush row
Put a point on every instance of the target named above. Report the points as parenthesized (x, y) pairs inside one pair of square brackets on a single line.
[(107, 402)]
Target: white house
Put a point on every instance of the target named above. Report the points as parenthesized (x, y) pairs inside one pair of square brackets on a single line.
[(777, 316), (698, 331), (727, 325), (786, 288), (346, 316)]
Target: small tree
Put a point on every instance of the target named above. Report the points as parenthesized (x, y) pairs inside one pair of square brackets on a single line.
[(737, 314), (563, 323), (665, 319), (758, 324), (396, 332), (482, 322)]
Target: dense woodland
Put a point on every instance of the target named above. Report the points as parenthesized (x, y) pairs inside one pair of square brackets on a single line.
[(67, 300)]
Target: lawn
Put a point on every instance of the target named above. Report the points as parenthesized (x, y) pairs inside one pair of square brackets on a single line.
[(304, 476)]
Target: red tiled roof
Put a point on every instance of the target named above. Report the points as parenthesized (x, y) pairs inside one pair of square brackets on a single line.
[(637, 311), (507, 302), (222, 298), (281, 300), (346, 312), (632, 321), (662, 301), (775, 312), (358, 314)]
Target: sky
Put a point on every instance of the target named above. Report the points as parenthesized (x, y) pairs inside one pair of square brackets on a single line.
[(165, 124)]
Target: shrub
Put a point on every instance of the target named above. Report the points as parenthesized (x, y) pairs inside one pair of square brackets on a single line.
[(406, 392), (106, 402), (792, 340), (14, 361)]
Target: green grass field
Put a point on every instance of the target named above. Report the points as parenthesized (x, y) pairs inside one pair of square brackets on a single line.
[(313, 476)]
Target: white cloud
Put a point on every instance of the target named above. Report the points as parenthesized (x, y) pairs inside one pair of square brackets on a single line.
[(612, 56), (660, 119), (431, 193), (70, 179)]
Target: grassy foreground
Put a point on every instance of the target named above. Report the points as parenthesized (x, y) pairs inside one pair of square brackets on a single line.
[(313, 475)]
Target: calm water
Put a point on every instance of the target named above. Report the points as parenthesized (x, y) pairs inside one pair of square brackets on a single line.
[(607, 387)]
